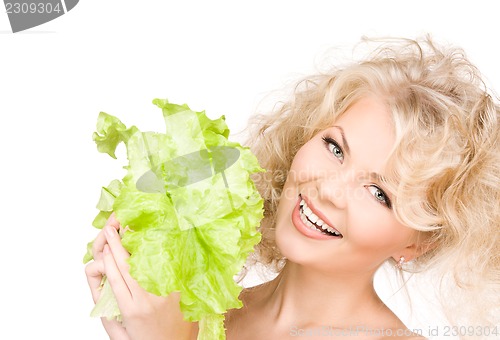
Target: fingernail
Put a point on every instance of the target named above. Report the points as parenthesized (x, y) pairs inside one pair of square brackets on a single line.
[(110, 231)]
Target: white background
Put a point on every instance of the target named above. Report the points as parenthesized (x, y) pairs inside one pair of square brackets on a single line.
[(116, 56)]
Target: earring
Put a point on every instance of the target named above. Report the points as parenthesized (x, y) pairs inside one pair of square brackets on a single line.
[(399, 265)]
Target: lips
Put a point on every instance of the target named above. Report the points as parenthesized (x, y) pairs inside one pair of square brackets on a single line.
[(312, 223)]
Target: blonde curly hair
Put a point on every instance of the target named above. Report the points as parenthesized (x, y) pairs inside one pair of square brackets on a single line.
[(444, 170)]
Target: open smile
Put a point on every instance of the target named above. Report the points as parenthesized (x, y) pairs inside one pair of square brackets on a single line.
[(308, 222)]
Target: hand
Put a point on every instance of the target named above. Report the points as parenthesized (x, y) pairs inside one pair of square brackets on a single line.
[(144, 315), (95, 271)]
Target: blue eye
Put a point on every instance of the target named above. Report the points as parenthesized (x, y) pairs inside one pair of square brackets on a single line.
[(334, 148), (379, 195)]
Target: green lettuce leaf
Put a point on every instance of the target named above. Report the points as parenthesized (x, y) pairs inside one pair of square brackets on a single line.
[(189, 209)]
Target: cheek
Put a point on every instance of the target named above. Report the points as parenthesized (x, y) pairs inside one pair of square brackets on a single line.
[(288, 198), (308, 163), (376, 229)]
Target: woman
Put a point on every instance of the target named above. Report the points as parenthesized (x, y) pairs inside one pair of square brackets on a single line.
[(392, 158)]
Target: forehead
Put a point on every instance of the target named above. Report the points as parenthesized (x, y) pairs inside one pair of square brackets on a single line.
[(369, 131)]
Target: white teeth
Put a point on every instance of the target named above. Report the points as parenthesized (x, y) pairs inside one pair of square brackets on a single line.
[(307, 223), (312, 220)]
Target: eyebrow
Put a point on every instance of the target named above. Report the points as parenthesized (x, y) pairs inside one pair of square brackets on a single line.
[(377, 177), (344, 140)]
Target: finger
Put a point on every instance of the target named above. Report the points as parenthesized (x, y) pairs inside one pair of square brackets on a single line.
[(116, 280), (98, 245), (112, 221), (114, 240), (94, 272), (114, 329), (121, 256), (100, 240)]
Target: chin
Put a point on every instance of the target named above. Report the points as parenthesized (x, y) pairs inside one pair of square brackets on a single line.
[(292, 247)]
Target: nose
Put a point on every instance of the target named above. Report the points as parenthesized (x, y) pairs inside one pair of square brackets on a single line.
[(334, 187)]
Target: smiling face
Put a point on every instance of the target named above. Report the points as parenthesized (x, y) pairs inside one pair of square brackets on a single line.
[(334, 212)]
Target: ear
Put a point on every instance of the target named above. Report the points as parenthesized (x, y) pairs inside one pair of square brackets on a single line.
[(421, 244)]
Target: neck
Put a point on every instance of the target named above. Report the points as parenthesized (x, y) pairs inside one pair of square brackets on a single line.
[(326, 300)]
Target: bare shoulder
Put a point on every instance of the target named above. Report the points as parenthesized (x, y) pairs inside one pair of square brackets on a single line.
[(251, 321), (233, 316)]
